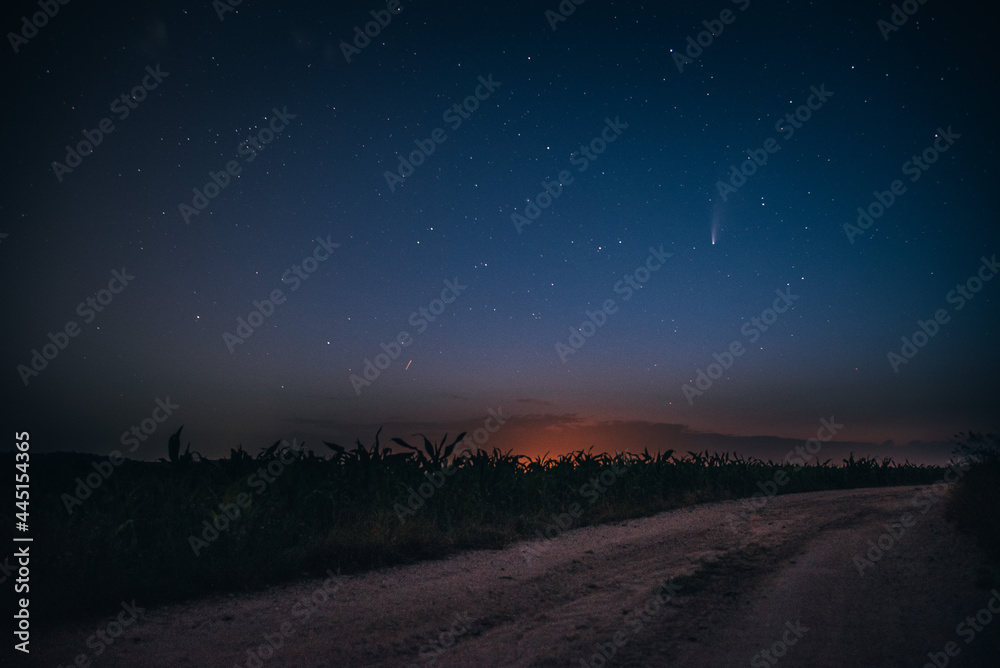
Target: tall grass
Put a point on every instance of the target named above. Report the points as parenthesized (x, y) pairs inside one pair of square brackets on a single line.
[(975, 501), (130, 538)]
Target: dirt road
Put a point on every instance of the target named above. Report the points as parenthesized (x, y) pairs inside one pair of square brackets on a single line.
[(690, 587)]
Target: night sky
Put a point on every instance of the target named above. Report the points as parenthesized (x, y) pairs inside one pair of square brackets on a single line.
[(477, 182)]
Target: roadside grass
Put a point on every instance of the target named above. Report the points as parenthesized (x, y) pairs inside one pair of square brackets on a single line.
[(975, 500), (136, 535)]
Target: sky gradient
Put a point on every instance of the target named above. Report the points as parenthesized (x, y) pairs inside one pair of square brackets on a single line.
[(477, 183)]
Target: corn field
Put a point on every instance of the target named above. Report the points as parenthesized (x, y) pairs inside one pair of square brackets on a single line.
[(300, 513)]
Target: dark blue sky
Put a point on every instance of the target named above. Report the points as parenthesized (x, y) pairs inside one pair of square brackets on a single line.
[(549, 101)]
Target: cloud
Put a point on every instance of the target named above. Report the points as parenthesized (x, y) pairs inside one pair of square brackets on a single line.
[(554, 434), (533, 402)]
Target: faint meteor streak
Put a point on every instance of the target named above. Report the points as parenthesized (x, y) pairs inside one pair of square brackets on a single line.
[(408, 365)]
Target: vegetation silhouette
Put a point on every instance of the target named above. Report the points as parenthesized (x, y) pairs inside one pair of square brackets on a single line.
[(306, 513)]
